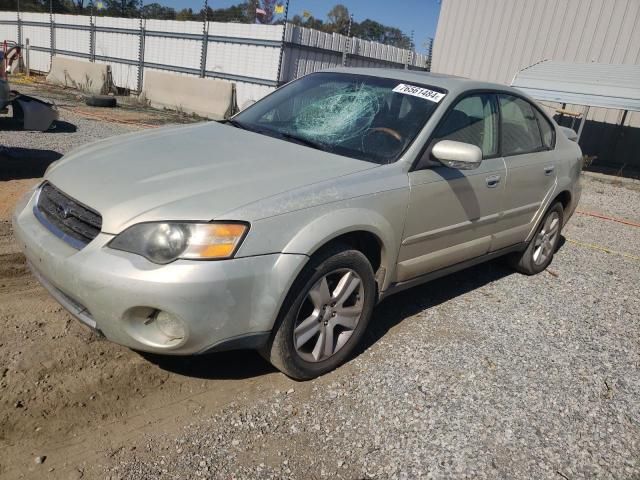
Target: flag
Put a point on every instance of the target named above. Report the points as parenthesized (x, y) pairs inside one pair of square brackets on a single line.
[(100, 5), (306, 14), (279, 8)]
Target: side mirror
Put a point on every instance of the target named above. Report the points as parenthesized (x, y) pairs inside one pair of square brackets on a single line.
[(462, 156)]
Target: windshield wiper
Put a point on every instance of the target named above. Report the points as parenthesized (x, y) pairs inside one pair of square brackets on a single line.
[(305, 141)]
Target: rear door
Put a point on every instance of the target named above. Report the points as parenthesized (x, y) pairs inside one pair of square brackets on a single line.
[(527, 141), (453, 213)]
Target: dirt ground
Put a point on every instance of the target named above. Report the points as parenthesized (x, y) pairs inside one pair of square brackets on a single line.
[(64, 393), (81, 399)]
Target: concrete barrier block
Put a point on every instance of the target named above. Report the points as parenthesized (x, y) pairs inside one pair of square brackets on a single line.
[(86, 76), (206, 97)]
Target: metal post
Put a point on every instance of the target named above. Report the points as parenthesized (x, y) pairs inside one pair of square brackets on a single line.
[(582, 120), (347, 46), (52, 32), (27, 56), (92, 34), (19, 28), (141, 48), (205, 40), (282, 43)]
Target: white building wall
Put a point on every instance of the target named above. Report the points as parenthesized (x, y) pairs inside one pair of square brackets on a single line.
[(493, 39)]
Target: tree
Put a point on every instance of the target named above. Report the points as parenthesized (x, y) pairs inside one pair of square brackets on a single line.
[(185, 14), (369, 30), (122, 8), (159, 12), (234, 13), (338, 17), (77, 5)]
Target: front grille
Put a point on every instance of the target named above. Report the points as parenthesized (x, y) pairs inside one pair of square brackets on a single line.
[(66, 217)]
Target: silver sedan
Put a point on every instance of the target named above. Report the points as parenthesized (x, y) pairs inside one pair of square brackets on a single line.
[(282, 227)]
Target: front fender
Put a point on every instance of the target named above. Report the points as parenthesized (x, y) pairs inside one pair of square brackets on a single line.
[(332, 225), (305, 231)]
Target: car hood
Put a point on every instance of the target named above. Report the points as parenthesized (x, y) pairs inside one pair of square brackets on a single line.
[(197, 172)]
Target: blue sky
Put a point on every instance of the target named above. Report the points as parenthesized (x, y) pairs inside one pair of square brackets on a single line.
[(418, 15)]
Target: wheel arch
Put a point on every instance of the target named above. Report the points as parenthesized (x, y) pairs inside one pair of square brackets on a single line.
[(365, 230), (564, 197)]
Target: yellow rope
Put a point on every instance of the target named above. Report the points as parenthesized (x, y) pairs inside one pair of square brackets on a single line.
[(603, 249)]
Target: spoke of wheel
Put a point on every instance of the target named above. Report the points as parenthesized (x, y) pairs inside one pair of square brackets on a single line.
[(346, 286), (319, 347), (536, 253), (553, 228), (319, 293), (328, 341), (307, 329), (348, 317)]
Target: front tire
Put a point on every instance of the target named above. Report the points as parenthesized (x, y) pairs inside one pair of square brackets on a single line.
[(325, 314), (539, 253)]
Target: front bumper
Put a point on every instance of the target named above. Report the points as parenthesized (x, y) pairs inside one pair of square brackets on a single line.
[(115, 292)]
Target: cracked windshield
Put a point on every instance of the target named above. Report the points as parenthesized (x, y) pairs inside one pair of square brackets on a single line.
[(367, 118)]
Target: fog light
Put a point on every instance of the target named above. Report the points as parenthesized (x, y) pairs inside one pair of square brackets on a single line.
[(169, 325)]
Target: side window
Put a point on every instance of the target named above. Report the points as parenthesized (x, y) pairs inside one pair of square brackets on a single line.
[(520, 131), (546, 129), (473, 120)]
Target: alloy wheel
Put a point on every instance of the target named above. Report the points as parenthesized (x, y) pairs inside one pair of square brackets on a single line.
[(329, 315), (546, 239)]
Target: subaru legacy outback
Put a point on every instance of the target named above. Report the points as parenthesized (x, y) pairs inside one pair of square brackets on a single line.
[(281, 228)]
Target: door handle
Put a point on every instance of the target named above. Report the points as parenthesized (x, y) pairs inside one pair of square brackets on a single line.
[(493, 181), (548, 170)]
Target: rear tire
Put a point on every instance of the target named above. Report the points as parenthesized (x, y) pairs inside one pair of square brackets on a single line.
[(324, 315), (542, 247)]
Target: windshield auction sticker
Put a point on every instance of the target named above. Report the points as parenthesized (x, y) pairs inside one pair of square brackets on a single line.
[(419, 92)]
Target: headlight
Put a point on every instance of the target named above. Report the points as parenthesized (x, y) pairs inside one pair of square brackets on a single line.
[(165, 242)]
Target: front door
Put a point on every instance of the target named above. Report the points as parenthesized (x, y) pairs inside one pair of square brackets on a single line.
[(453, 213)]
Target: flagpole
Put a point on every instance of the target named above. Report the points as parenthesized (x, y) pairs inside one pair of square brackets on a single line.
[(284, 34)]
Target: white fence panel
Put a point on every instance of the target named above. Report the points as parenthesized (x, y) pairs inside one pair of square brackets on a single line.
[(39, 38), (180, 52), (246, 54), (258, 60), (8, 32), (72, 40), (120, 46)]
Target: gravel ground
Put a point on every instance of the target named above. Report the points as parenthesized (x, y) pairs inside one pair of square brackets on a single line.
[(78, 124), (483, 374)]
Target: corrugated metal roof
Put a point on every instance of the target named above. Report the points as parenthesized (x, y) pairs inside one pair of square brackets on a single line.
[(593, 84)]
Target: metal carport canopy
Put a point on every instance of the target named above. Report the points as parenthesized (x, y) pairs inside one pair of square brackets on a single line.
[(590, 84)]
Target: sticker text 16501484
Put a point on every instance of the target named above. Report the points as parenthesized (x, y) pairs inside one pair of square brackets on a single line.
[(420, 92)]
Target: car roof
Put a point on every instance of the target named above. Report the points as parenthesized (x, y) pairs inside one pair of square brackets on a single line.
[(451, 83)]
